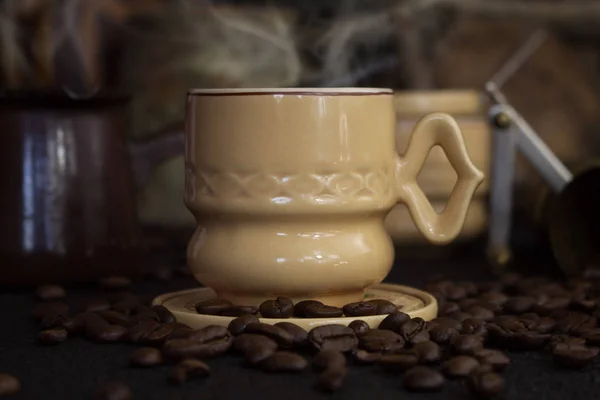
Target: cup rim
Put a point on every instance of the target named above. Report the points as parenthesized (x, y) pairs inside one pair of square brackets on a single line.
[(294, 91)]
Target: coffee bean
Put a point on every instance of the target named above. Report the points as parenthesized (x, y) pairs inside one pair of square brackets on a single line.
[(300, 335), (158, 335), (9, 385), (284, 361), (52, 336), (495, 358), (394, 321), (213, 306), (95, 305), (460, 366), (466, 344), (359, 327), (213, 340), (332, 378), (164, 315), (333, 337), (460, 316), (379, 340), (246, 341), (448, 308), (422, 336), (422, 379), (300, 307), (238, 311), (428, 352), (146, 357), (399, 362), (54, 321), (574, 357), (519, 304), (411, 328), (282, 307), (384, 306), (442, 335), (180, 331), (591, 336), (567, 340), (140, 331), (114, 317), (483, 369), (238, 325), (99, 330), (322, 311), (485, 384), (474, 326), (187, 369), (480, 312), (50, 292), (545, 325), (115, 283), (365, 357), (328, 358), (279, 335), (42, 310), (466, 303), (551, 305), (114, 391), (573, 322), (583, 305), (447, 323), (359, 309)]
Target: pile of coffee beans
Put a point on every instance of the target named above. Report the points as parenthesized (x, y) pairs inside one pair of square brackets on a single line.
[(476, 322)]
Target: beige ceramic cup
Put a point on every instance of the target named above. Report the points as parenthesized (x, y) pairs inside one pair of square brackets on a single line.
[(290, 188)]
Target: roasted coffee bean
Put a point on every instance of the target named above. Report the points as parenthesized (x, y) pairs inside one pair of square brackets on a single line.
[(282, 307), (180, 331), (460, 366), (238, 311), (549, 306), (54, 321), (442, 335), (394, 321), (365, 357), (446, 322), (158, 335), (591, 336), (380, 340), (185, 348), (494, 297), (213, 341), (300, 335), (490, 287), (495, 358), (97, 329), (474, 326), (52, 336), (50, 292), (585, 305), (333, 337), (333, 378), (470, 288), (456, 293), (322, 311), (428, 352), (466, 303), (300, 307), (238, 325), (114, 317), (9, 385), (213, 306), (384, 306), (279, 335), (255, 355), (466, 344), (146, 357), (483, 369), (566, 339), (411, 328), (399, 362), (114, 391), (164, 315), (284, 361), (246, 341), (448, 308), (574, 357), (485, 384), (187, 369), (573, 322), (480, 312), (42, 310), (95, 305), (140, 331), (422, 336), (545, 325), (422, 379), (360, 309), (519, 304), (359, 327), (328, 358), (460, 316), (115, 283)]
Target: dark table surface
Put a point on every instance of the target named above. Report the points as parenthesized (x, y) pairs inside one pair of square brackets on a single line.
[(76, 368)]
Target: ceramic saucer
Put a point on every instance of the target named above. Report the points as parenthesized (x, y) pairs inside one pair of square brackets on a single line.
[(414, 302)]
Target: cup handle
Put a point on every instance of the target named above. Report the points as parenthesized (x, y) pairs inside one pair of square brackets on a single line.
[(437, 129)]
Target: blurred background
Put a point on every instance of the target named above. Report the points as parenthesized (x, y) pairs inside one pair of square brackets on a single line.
[(92, 96)]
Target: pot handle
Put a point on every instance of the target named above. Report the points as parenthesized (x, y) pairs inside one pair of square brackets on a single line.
[(437, 129), (147, 153)]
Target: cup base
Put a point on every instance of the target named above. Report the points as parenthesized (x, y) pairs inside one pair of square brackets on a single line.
[(414, 302)]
